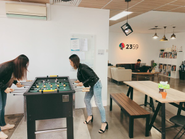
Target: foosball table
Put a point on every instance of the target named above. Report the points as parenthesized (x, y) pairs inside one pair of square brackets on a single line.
[(49, 98)]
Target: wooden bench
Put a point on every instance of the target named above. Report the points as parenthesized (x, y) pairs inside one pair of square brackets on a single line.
[(132, 109)]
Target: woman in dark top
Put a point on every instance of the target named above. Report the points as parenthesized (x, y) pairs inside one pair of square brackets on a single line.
[(10, 72), (87, 77)]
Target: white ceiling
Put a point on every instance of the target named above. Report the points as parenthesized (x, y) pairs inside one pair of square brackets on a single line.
[(142, 23)]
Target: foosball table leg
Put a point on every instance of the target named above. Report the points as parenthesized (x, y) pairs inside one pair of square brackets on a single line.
[(70, 128), (31, 129)]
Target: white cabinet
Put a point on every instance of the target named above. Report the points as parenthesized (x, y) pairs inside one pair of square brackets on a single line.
[(169, 62)]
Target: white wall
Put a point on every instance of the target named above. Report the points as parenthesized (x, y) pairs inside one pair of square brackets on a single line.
[(178, 42), (147, 51), (47, 43), (148, 47)]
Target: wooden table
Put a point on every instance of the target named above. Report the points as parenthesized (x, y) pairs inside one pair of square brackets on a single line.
[(145, 74), (151, 89)]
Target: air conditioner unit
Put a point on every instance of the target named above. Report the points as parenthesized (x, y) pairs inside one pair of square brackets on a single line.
[(26, 11)]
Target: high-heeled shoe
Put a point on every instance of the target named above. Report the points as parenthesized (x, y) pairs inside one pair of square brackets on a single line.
[(87, 122), (106, 127)]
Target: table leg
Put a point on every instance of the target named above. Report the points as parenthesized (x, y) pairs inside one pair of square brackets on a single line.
[(158, 77), (130, 93), (146, 97), (154, 116), (137, 77), (110, 104), (163, 117), (152, 104), (153, 77), (179, 109)]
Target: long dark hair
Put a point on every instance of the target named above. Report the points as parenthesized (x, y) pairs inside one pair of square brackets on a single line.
[(20, 67), (76, 60)]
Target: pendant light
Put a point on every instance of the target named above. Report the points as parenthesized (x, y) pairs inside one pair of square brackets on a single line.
[(164, 37), (126, 28), (155, 35), (173, 36)]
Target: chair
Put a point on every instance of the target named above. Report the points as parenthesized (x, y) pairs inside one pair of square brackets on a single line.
[(121, 74), (179, 120), (109, 72)]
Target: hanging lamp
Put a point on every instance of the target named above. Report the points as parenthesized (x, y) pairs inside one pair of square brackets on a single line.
[(173, 36), (164, 37), (126, 28), (155, 35)]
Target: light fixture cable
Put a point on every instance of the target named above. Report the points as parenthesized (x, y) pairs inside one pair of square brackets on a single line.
[(126, 28), (164, 39), (173, 36), (127, 10)]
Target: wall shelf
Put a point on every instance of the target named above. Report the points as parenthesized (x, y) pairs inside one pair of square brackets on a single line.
[(169, 62)]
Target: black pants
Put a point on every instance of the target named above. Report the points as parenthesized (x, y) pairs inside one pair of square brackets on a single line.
[(3, 97)]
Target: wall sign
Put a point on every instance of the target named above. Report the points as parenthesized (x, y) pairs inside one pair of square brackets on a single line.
[(128, 46)]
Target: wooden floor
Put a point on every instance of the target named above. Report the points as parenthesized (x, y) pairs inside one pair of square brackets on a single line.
[(118, 125), (12, 119)]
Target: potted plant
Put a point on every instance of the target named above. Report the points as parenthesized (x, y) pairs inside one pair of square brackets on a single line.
[(153, 67)]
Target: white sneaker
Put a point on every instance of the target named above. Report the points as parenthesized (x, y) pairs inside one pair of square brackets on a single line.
[(7, 126), (3, 135)]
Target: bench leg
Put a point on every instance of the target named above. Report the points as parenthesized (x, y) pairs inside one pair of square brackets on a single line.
[(110, 103), (147, 126), (131, 127)]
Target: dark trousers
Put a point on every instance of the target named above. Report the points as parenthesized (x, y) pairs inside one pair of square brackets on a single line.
[(3, 96)]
